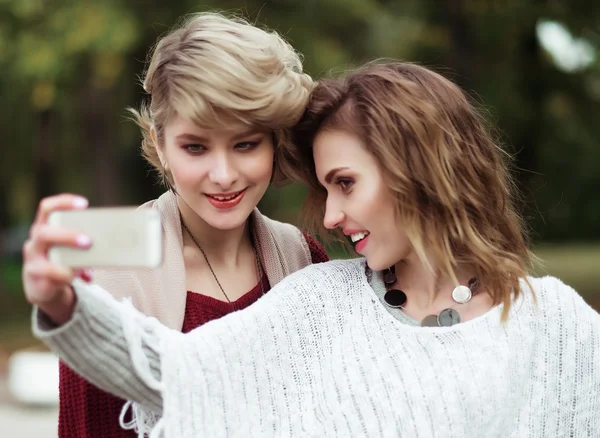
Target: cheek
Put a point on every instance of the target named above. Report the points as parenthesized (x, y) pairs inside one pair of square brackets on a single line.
[(377, 202), (185, 169), (381, 209), (257, 167)]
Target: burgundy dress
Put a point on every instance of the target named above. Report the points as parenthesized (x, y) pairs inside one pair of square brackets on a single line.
[(88, 412)]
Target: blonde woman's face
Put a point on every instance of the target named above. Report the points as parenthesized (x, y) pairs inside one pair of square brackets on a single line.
[(220, 174), (358, 201)]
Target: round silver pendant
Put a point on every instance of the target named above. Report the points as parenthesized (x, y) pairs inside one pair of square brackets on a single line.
[(448, 318), (461, 294), (430, 321)]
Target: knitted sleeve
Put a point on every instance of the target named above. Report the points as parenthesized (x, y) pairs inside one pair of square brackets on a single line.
[(97, 345), (317, 251)]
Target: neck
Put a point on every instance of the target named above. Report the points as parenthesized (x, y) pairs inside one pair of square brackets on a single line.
[(221, 246), (424, 286)]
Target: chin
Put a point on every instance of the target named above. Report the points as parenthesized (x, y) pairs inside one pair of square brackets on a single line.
[(227, 221), (379, 263), (376, 265)]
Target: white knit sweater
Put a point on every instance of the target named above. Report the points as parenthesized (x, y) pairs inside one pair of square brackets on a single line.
[(320, 356)]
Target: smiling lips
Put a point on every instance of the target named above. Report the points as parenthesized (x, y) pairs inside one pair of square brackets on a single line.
[(360, 239), (226, 200)]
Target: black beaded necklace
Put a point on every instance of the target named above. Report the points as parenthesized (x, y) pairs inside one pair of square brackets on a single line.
[(396, 299), (258, 266)]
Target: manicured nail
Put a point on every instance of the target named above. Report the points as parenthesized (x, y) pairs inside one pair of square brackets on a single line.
[(83, 241), (80, 203), (87, 275)]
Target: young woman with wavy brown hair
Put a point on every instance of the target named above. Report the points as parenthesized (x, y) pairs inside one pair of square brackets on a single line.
[(438, 331)]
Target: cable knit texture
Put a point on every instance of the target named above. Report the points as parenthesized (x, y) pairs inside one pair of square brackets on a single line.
[(321, 356), (86, 411)]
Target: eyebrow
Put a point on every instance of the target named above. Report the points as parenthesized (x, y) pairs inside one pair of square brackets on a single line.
[(331, 174), (199, 139), (246, 134), (191, 137)]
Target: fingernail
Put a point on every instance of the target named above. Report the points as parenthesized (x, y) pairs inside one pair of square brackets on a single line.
[(86, 275), (89, 272), (80, 203), (83, 241)]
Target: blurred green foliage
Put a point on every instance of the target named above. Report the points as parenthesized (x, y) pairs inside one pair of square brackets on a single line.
[(70, 69)]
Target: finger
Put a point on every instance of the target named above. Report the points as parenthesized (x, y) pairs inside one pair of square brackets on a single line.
[(44, 271), (65, 201), (28, 249), (85, 274), (45, 236)]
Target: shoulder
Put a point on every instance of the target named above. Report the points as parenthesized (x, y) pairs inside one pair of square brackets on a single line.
[(279, 230), (148, 204), (329, 276), (166, 204), (568, 341), (166, 199), (317, 251), (289, 240), (288, 232), (559, 302), (551, 291)]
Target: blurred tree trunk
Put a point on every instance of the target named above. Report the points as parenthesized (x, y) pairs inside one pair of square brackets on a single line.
[(462, 57), (44, 154), (533, 89), (3, 230), (98, 136)]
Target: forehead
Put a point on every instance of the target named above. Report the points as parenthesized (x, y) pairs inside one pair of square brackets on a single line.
[(333, 148), (177, 125)]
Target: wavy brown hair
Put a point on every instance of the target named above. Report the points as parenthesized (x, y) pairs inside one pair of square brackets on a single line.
[(449, 177)]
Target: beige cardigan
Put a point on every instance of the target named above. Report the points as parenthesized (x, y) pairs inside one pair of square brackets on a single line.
[(161, 292)]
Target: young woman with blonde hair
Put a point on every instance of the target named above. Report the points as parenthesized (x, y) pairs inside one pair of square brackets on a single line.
[(222, 97), (437, 332)]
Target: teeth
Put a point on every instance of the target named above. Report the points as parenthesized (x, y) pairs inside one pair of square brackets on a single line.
[(358, 236), (227, 198)]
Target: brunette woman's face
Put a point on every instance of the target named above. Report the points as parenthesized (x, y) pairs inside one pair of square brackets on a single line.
[(220, 174), (358, 200)]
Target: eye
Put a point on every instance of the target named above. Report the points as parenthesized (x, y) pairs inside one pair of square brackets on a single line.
[(344, 183), (247, 145), (194, 148)]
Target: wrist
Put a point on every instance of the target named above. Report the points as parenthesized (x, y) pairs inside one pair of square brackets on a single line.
[(61, 309)]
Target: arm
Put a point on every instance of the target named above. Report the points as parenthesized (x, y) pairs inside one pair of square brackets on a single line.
[(94, 345)]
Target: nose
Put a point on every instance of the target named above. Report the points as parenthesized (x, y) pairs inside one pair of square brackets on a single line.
[(334, 215), (223, 171)]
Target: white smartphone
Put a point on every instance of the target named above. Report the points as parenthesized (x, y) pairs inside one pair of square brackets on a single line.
[(121, 237)]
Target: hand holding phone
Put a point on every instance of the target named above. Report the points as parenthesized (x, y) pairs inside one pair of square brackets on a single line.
[(46, 284), (121, 237), (66, 235)]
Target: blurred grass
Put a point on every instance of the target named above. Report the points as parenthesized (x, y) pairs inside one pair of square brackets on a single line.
[(576, 265), (15, 332)]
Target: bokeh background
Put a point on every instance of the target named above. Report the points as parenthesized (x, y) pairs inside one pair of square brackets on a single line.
[(69, 69)]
